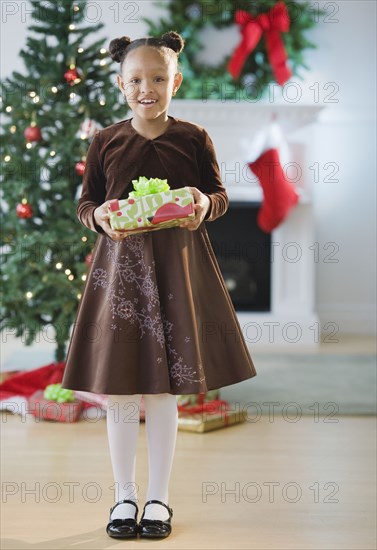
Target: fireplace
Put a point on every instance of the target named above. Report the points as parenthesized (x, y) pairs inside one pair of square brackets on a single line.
[(270, 278), (243, 252)]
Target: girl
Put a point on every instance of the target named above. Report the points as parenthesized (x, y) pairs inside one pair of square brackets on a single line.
[(155, 318)]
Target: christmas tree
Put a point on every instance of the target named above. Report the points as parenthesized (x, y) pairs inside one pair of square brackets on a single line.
[(49, 115)]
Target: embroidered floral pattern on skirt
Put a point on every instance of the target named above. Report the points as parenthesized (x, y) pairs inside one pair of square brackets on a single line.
[(132, 295)]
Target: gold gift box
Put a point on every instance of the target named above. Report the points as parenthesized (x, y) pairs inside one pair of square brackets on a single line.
[(206, 422)]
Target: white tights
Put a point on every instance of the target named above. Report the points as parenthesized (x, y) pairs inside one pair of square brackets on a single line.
[(123, 421)]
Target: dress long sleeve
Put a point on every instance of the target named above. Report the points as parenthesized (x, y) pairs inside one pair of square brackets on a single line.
[(211, 183), (93, 192)]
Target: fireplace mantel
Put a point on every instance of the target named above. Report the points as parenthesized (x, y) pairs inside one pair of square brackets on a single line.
[(249, 114), (292, 320)]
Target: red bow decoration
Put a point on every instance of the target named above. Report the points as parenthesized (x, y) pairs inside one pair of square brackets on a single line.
[(272, 23)]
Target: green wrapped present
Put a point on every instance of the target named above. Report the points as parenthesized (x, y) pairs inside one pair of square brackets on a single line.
[(151, 206)]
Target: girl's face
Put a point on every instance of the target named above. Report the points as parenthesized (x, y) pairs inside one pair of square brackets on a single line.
[(148, 75)]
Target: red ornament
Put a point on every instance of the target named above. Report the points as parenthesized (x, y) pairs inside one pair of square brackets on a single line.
[(73, 76), (80, 168), (88, 259), (33, 133), (24, 210)]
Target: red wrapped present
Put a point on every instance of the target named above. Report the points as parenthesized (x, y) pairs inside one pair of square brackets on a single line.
[(45, 409)]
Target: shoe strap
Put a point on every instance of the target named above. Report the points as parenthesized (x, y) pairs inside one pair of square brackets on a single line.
[(125, 501), (162, 504)]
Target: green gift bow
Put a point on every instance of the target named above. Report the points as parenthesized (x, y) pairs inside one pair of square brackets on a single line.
[(55, 392), (144, 186)]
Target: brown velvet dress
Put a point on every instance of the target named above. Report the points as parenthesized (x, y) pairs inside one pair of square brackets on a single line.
[(155, 315)]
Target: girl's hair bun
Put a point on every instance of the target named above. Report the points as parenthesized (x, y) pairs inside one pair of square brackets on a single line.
[(118, 46), (174, 41)]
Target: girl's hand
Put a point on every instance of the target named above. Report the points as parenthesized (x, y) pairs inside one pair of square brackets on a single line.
[(201, 206), (101, 216)]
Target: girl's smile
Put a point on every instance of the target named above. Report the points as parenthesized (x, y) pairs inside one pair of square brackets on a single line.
[(147, 103)]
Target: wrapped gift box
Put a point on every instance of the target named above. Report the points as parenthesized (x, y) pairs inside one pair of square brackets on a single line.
[(205, 423), (43, 409), (211, 416), (149, 210)]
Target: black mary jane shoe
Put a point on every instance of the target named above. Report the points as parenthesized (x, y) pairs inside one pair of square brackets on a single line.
[(123, 528), (155, 528)]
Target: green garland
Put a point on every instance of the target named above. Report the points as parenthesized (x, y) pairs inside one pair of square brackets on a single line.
[(190, 17)]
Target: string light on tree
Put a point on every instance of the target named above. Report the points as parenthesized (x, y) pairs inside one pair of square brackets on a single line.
[(34, 97)]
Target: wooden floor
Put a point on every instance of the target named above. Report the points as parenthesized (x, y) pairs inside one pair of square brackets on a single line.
[(262, 485)]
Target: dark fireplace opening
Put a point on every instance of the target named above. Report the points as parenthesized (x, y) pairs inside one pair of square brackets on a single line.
[(243, 252)]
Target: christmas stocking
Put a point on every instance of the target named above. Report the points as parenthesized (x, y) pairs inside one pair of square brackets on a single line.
[(279, 195)]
